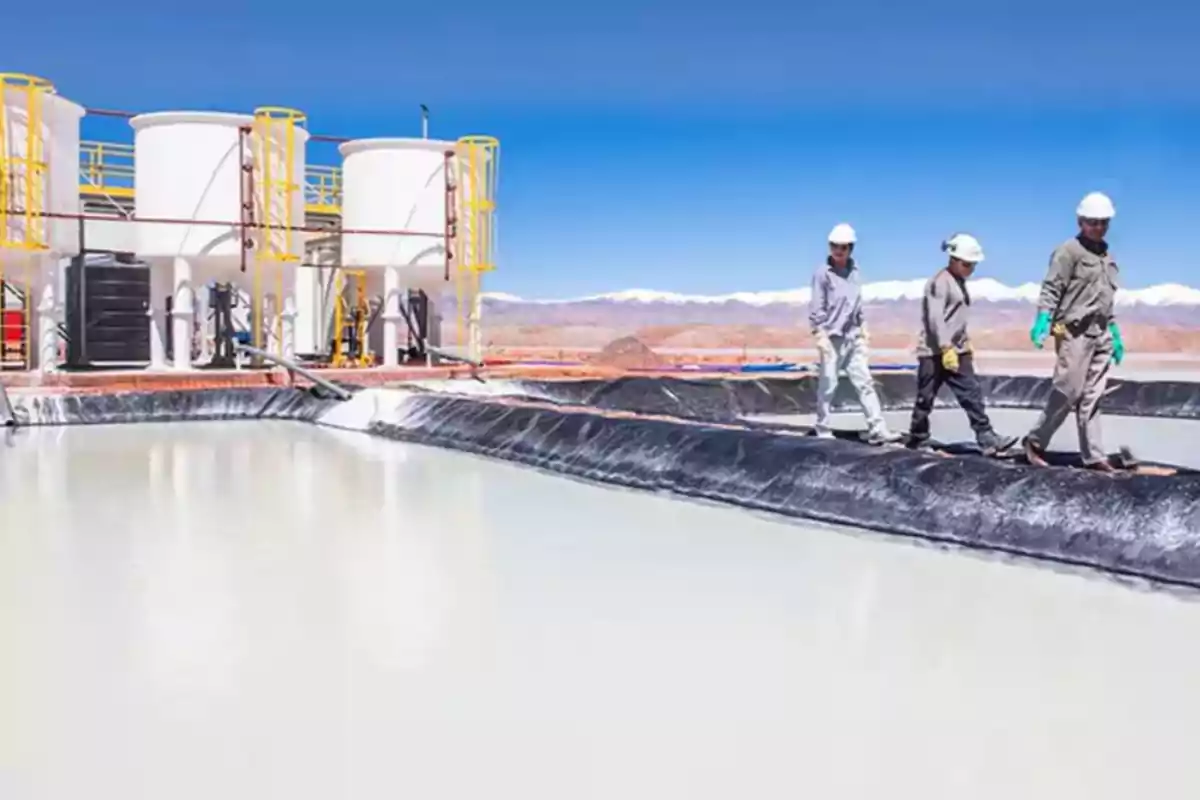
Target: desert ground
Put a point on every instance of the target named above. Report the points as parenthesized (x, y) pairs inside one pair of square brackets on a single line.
[(1148, 346), (648, 334)]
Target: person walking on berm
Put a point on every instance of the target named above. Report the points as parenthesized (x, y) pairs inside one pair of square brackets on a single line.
[(1076, 307), (944, 350), (836, 318)]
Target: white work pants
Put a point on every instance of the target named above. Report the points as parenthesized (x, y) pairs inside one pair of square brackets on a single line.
[(849, 354)]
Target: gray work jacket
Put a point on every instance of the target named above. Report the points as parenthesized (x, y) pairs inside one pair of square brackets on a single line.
[(836, 304), (1079, 289), (945, 309)]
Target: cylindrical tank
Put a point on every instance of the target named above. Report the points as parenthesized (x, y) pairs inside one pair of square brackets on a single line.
[(396, 185), (39, 172), (188, 168), (45, 179)]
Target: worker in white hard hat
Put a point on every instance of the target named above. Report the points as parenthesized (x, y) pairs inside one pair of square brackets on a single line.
[(1076, 307), (944, 351), (836, 319)]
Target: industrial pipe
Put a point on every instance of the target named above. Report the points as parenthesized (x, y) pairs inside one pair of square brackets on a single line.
[(234, 224), (292, 366), (448, 356), (7, 418)]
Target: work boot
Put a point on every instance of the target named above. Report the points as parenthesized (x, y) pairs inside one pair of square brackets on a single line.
[(1101, 466), (990, 443), (922, 444), (1034, 454), (883, 436)]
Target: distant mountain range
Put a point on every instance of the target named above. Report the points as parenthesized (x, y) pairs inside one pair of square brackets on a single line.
[(1157, 316), (985, 289)]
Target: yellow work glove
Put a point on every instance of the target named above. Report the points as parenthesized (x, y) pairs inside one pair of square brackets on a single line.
[(950, 360)]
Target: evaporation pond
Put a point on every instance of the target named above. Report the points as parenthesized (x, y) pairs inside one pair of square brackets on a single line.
[(275, 610)]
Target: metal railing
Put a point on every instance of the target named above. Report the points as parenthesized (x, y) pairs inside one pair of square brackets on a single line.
[(106, 171), (323, 190)]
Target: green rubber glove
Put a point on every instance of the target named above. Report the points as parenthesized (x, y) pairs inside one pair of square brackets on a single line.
[(1041, 329), (1118, 343)]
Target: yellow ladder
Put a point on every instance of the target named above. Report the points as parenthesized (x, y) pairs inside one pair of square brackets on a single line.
[(23, 165), (478, 169), (350, 314), (23, 223), (275, 142)]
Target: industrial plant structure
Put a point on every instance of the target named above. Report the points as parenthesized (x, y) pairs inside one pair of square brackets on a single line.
[(212, 228)]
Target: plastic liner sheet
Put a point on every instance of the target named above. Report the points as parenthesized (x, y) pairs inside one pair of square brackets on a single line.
[(727, 399), (1147, 527), (169, 406)]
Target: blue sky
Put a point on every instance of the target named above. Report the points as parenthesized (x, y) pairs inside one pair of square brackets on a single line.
[(660, 145)]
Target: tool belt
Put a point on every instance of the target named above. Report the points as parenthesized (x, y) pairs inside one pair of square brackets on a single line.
[(1079, 327)]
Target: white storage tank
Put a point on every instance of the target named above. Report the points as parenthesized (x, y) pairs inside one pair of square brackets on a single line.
[(39, 168), (188, 173), (396, 185)]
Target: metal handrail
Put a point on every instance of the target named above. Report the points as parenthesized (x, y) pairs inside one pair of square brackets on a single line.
[(106, 169)]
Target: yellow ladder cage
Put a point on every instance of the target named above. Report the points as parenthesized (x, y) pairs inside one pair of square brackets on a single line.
[(350, 320), (275, 141), (24, 227), (478, 168)]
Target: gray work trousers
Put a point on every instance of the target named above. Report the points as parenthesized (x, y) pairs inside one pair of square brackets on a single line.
[(849, 353), (1080, 379)]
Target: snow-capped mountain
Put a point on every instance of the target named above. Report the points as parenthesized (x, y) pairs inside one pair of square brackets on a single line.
[(985, 289)]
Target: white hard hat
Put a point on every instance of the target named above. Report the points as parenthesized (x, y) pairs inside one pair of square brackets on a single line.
[(842, 233), (964, 247), (1096, 206)]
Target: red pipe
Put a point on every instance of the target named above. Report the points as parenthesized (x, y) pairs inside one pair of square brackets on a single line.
[(316, 137), (246, 205), (108, 112), (182, 221), (451, 222)]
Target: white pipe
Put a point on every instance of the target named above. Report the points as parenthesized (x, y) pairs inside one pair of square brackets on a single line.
[(203, 302), (475, 328), (288, 328), (307, 315), (182, 314), (156, 314), (391, 317), (46, 346), (287, 363)]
